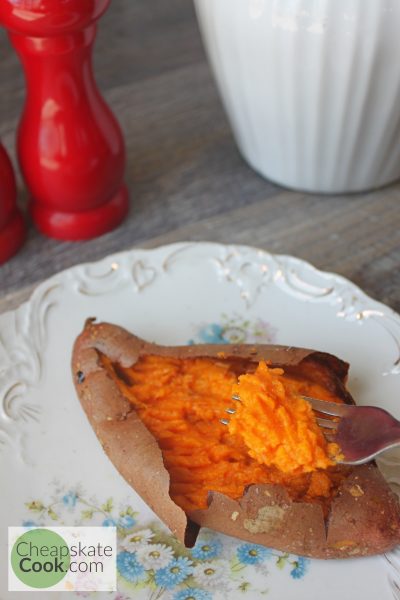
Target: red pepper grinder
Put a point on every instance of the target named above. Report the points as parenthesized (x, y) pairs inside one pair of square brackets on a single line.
[(12, 226), (70, 146)]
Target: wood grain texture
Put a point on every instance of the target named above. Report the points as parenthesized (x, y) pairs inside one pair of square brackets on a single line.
[(186, 177)]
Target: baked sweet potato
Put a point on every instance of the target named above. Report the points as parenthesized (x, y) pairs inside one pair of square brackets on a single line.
[(156, 411)]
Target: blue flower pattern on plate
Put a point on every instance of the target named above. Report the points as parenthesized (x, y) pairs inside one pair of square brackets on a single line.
[(109, 522), (300, 567), (29, 524), (206, 550), (192, 594), (177, 570), (129, 567), (234, 329), (126, 522), (212, 334), (252, 554), (70, 499)]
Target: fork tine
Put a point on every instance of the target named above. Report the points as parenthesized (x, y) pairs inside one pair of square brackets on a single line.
[(236, 397), (224, 421), (327, 408), (327, 423), (230, 411), (330, 437)]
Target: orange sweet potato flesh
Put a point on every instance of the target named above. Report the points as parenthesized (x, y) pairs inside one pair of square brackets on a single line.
[(279, 427), (181, 402), (157, 411)]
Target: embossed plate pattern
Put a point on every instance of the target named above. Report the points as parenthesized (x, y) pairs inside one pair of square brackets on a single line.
[(53, 469)]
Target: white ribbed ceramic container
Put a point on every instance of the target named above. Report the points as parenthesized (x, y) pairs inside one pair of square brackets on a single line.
[(311, 87)]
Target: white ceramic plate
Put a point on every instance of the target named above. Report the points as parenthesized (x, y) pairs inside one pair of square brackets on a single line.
[(53, 470)]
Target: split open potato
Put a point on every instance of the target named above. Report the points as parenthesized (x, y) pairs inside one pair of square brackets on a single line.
[(156, 411)]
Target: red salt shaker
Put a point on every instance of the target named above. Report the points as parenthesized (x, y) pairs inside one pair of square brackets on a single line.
[(70, 146), (12, 226)]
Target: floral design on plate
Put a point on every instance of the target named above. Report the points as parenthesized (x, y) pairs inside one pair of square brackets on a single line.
[(152, 560), (235, 329)]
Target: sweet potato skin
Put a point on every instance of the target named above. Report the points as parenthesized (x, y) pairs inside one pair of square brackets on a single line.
[(365, 515)]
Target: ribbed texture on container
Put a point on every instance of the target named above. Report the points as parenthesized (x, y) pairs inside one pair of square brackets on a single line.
[(311, 88)]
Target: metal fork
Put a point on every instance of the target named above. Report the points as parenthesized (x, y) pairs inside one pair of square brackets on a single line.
[(362, 432)]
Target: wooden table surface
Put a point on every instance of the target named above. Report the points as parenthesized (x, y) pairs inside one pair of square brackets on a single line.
[(186, 178)]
